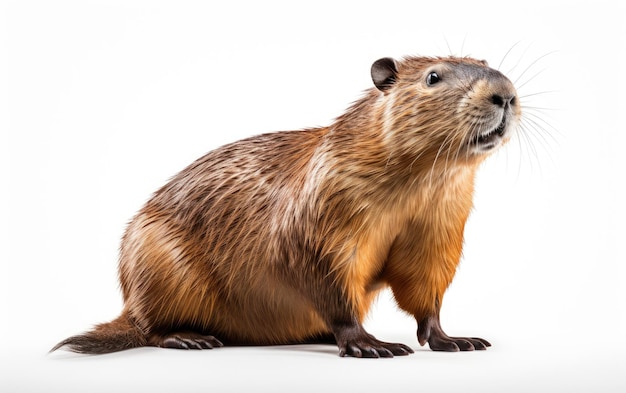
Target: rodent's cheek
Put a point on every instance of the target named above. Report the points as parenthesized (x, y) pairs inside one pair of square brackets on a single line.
[(484, 115)]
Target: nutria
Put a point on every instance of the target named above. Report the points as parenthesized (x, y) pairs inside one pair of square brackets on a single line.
[(287, 237)]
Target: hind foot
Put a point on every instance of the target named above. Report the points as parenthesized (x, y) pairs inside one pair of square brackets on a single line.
[(186, 340)]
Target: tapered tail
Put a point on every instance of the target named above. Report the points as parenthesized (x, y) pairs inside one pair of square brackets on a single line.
[(117, 335)]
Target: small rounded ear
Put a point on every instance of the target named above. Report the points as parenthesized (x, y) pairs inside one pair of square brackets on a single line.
[(485, 63), (384, 72)]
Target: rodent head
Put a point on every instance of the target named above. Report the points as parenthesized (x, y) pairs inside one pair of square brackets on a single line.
[(459, 108)]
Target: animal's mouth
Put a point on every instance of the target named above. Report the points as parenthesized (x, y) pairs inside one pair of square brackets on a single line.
[(490, 139)]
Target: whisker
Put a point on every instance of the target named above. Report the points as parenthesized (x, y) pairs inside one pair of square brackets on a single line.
[(473, 131), (521, 152), (539, 108), (536, 152), (446, 145), (455, 157), (538, 93), (532, 64), (530, 116), (532, 124), (540, 131), (506, 54), (519, 61), (464, 142), (432, 168), (520, 86), (463, 44), (448, 45), (529, 140)]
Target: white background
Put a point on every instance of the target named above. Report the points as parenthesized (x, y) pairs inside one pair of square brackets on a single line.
[(102, 101)]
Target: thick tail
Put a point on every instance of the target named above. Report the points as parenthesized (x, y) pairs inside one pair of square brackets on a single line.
[(117, 335)]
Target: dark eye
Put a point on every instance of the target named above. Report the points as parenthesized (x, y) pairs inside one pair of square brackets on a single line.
[(432, 78)]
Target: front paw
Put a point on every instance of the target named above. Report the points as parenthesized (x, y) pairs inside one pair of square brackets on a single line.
[(456, 344), (429, 331)]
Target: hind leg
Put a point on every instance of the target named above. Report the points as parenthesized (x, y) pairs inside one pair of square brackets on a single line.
[(185, 340)]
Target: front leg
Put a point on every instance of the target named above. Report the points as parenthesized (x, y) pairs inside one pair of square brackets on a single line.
[(429, 330), (421, 265), (418, 293), (425, 306)]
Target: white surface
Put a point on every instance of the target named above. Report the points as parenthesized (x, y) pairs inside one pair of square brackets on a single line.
[(102, 101)]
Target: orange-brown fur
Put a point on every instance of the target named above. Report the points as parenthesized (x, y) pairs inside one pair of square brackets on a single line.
[(271, 239)]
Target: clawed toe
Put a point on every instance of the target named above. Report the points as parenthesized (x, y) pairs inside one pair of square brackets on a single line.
[(479, 343), (456, 344), (372, 348), (189, 341), (429, 331)]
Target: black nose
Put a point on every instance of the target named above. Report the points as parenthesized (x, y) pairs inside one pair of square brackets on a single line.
[(502, 102)]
